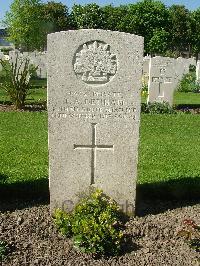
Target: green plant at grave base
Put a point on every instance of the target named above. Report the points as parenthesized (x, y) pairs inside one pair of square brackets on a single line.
[(63, 222), (16, 80), (95, 224), (157, 108), (191, 233), (188, 83), (3, 249)]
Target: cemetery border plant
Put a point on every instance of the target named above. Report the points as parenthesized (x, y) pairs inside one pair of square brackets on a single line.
[(95, 224), (16, 80), (157, 108), (188, 83), (191, 234)]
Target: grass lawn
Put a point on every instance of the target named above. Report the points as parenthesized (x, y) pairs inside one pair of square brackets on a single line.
[(187, 98), (23, 146), (38, 92), (182, 98), (168, 156), (34, 95)]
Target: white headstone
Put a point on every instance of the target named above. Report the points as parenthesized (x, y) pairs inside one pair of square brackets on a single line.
[(94, 81), (145, 70), (161, 80), (198, 71)]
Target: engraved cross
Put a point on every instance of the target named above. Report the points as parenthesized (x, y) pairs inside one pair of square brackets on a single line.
[(160, 91), (94, 147), (160, 81)]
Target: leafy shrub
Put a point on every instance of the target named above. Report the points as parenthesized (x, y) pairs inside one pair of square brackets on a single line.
[(191, 233), (16, 80), (3, 249), (157, 108), (95, 224), (188, 83), (62, 221)]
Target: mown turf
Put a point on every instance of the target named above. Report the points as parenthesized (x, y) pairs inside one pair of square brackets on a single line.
[(169, 147), (169, 151), (23, 146), (34, 95), (186, 98), (37, 93), (169, 154), (181, 98)]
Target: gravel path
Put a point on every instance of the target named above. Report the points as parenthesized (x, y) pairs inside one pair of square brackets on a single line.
[(33, 239)]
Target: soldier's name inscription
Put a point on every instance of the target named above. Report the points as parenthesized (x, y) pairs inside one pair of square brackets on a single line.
[(95, 105)]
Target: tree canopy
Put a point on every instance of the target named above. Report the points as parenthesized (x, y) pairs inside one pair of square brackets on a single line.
[(165, 29)]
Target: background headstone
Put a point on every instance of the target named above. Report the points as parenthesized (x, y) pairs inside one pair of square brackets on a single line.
[(42, 65), (161, 80), (145, 70), (94, 81), (37, 59), (179, 69), (198, 72)]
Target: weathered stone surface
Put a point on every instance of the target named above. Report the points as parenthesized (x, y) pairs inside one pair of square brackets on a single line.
[(198, 72), (40, 61), (161, 80), (179, 69), (94, 81), (145, 70)]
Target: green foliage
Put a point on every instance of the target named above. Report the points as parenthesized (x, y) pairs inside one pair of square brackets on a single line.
[(113, 17), (63, 222), (95, 224), (159, 43), (191, 234), (3, 249), (157, 108), (29, 22), (188, 83), (16, 81), (180, 28), (54, 17), (24, 24), (87, 17), (144, 17), (166, 30), (57, 15), (195, 34)]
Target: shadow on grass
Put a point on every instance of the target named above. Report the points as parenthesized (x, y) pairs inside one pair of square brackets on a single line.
[(187, 106), (154, 198), (3, 177), (36, 106), (6, 102), (21, 195)]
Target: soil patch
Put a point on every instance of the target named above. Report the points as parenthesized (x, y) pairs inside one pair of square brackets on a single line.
[(152, 239)]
